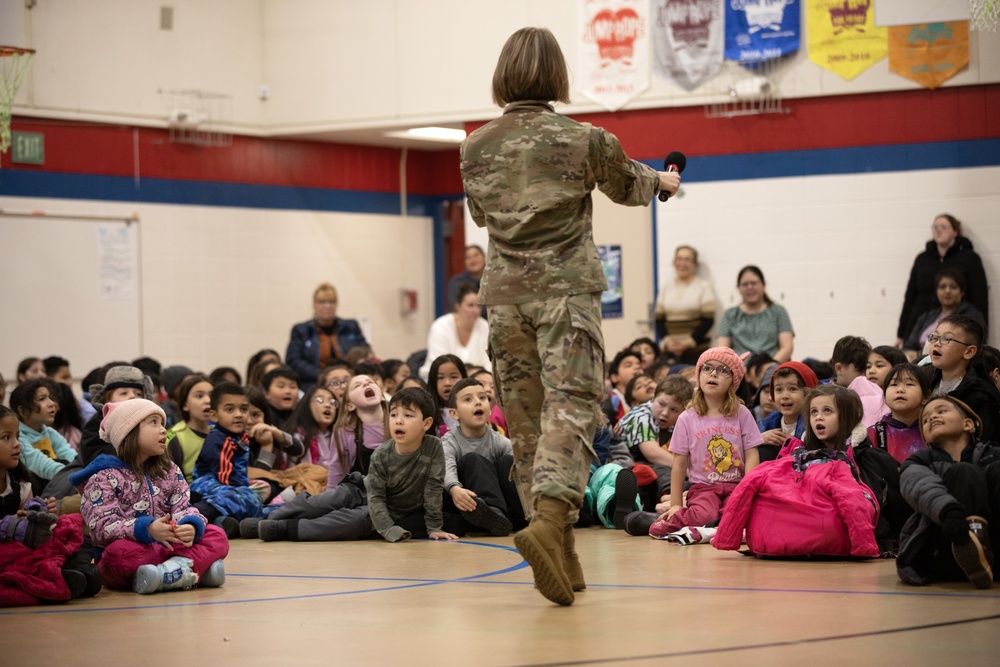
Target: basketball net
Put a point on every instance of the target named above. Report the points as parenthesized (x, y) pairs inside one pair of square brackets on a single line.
[(984, 14), (14, 64)]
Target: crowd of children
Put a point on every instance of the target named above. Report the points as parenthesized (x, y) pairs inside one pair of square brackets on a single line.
[(155, 469)]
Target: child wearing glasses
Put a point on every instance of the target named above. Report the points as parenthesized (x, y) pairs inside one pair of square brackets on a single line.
[(715, 440), (955, 346)]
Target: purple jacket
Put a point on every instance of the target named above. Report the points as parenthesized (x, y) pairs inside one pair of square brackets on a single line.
[(804, 503), (118, 506)]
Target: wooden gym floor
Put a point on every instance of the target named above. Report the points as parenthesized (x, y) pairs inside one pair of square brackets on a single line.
[(472, 603)]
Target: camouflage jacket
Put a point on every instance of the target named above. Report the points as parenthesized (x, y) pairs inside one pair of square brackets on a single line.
[(528, 176)]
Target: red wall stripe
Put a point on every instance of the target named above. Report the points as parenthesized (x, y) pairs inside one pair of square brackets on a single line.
[(917, 116)]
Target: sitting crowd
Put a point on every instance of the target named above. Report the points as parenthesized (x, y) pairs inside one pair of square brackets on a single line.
[(143, 481)]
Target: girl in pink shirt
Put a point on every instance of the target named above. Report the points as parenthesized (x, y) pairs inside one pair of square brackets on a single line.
[(715, 441)]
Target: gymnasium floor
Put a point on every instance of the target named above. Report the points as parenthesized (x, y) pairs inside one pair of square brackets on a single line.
[(472, 603)]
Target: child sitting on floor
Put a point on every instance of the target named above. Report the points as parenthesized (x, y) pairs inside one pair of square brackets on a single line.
[(715, 439), (906, 389), (955, 487), (787, 389), (477, 463), (810, 501), (221, 480), (136, 504)]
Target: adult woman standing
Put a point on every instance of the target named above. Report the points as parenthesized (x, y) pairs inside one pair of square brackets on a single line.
[(463, 332), (951, 287), (325, 337), (757, 324), (528, 176), (947, 249), (685, 309)]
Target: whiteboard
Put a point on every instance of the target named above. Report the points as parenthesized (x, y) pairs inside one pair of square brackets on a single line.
[(76, 286)]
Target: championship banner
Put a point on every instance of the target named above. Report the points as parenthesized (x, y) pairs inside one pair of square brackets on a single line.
[(929, 53), (613, 53), (843, 37), (761, 30), (688, 40)]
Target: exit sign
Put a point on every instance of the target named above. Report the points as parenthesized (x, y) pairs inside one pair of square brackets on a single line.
[(28, 147)]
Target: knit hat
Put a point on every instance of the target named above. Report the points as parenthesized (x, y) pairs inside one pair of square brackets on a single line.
[(808, 377), (122, 376), (121, 418), (724, 356), (172, 376)]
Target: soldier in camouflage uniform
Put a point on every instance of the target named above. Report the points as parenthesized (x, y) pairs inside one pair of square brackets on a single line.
[(528, 177)]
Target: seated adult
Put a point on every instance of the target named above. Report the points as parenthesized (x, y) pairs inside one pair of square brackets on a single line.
[(757, 324), (463, 333), (325, 337), (685, 309), (951, 287), (475, 263)]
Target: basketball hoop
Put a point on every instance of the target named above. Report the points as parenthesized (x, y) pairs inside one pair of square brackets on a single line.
[(984, 14), (14, 63)]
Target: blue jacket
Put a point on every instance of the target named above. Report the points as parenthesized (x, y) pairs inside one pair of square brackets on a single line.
[(303, 347), (773, 421)]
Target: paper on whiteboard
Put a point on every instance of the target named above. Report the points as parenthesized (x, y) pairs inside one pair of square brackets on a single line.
[(116, 262)]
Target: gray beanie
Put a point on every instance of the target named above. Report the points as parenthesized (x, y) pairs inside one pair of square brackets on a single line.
[(122, 376)]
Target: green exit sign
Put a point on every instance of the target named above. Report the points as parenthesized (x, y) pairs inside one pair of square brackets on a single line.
[(28, 147)]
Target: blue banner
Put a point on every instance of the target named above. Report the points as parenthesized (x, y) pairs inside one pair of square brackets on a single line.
[(761, 30)]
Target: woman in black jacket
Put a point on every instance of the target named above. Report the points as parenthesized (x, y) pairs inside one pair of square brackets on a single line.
[(946, 249)]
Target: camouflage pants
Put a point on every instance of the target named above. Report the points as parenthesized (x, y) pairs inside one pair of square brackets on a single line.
[(548, 363)]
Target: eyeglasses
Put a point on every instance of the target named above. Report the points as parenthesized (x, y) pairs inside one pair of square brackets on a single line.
[(945, 340), (337, 384), (323, 400), (721, 371)]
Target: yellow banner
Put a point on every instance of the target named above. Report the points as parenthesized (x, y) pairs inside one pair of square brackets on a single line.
[(929, 53), (843, 37)]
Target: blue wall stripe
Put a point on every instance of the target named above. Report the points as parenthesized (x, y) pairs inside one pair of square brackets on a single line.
[(859, 160), (868, 159)]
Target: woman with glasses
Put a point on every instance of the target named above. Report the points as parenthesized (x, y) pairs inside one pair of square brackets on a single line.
[(326, 337), (951, 288), (947, 249), (757, 324)]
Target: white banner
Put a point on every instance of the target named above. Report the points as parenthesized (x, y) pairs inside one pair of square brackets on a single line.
[(688, 40), (613, 51)]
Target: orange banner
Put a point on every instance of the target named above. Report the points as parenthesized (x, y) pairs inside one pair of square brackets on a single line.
[(929, 53)]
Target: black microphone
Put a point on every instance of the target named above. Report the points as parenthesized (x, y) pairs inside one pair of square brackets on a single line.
[(674, 162)]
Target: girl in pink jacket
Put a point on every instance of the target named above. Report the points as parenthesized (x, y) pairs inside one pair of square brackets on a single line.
[(810, 501), (137, 505)]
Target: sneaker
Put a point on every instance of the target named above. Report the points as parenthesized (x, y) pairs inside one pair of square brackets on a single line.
[(638, 523), (272, 531), (626, 489), (173, 574), (214, 576), (488, 519), (248, 528), (975, 556), (230, 525), (687, 535)]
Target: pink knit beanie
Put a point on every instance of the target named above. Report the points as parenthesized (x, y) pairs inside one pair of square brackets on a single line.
[(724, 356), (121, 418)]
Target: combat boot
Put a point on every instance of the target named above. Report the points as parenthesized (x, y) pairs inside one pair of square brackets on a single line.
[(571, 561), (541, 544)]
